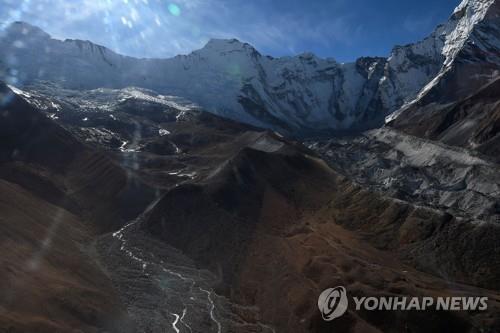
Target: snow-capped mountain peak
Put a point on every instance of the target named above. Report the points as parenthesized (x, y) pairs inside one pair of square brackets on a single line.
[(300, 94), (24, 29), (471, 35), (226, 45), (458, 29)]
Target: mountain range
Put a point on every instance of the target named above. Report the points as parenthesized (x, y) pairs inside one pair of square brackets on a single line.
[(224, 190), (300, 95)]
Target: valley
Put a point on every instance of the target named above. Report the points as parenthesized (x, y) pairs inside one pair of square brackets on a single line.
[(224, 190)]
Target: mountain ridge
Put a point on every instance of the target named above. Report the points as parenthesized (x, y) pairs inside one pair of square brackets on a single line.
[(297, 95)]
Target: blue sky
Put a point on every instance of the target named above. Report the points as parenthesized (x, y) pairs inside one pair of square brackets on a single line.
[(342, 29)]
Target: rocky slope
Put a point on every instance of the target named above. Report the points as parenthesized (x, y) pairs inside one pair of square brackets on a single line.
[(459, 106), (471, 53), (279, 226), (420, 171), (56, 194), (247, 228), (49, 283), (472, 122), (300, 95), (139, 211), (41, 155), (93, 279)]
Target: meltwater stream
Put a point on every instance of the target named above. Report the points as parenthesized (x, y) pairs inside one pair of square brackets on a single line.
[(163, 289)]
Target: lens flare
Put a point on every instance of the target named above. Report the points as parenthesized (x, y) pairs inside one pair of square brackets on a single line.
[(174, 9)]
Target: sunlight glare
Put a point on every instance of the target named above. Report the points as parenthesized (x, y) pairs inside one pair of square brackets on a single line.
[(174, 9)]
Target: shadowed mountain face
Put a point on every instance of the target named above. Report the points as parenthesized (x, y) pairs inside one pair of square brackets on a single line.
[(40, 154), (473, 122), (55, 194), (49, 283), (279, 226), (460, 106), (64, 186)]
